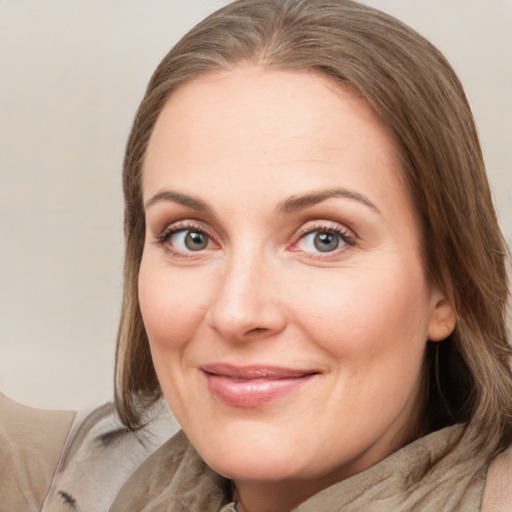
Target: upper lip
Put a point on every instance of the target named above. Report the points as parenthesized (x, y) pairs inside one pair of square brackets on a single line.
[(255, 371)]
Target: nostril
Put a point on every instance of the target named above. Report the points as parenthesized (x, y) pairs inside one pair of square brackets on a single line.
[(256, 329)]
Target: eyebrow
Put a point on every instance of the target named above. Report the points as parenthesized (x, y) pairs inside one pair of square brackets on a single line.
[(177, 197), (300, 202), (289, 205)]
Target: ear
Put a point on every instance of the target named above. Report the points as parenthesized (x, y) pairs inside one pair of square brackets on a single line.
[(442, 318)]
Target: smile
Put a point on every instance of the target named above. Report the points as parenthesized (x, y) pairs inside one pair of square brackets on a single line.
[(253, 386)]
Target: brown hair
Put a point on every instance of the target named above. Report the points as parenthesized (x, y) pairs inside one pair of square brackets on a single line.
[(413, 89)]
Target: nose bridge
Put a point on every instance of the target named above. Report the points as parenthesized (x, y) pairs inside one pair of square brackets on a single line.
[(247, 302)]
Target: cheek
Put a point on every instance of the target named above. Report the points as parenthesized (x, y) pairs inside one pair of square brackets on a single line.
[(373, 327), (365, 315), (171, 304)]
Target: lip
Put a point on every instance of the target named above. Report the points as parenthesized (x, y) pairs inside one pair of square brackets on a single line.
[(253, 386)]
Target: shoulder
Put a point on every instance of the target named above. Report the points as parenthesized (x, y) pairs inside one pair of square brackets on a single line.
[(175, 473), (100, 454), (498, 490), (31, 442)]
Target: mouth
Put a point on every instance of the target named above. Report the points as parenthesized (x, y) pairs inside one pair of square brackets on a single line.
[(253, 386)]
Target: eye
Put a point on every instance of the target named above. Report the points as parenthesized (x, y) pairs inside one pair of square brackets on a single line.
[(323, 240), (189, 240), (185, 240)]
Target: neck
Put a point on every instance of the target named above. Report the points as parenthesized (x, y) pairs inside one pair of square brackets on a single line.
[(268, 497), (279, 496)]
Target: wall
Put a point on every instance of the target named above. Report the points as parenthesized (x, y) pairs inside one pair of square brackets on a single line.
[(72, 74)]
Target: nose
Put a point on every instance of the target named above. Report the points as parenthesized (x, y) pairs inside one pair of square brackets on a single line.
[(247, 304)]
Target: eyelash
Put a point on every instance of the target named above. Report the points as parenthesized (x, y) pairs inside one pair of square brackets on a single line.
[(321, 227), (324, 227), (166, 234)]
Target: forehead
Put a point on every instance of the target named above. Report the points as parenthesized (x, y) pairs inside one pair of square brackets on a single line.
[(233, 125)]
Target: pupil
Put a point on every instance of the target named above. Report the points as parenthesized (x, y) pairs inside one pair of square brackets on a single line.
[(195, 241), (326, 242)]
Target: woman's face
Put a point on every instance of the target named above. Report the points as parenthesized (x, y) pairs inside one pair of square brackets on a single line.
[(281, 285)]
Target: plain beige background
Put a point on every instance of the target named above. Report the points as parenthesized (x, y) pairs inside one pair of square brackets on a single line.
[(72, 74)]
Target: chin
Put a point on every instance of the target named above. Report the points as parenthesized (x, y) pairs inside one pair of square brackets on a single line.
[(260, 469), (258, 461)]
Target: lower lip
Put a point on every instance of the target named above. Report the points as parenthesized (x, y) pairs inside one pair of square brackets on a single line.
[(252, 392)]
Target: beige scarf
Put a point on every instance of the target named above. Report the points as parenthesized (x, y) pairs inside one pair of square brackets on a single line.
[(428, 475)]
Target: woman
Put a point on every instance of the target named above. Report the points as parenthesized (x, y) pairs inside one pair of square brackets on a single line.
[(314, 275)]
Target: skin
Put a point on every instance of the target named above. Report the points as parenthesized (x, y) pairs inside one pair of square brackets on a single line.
[(242, 144)]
